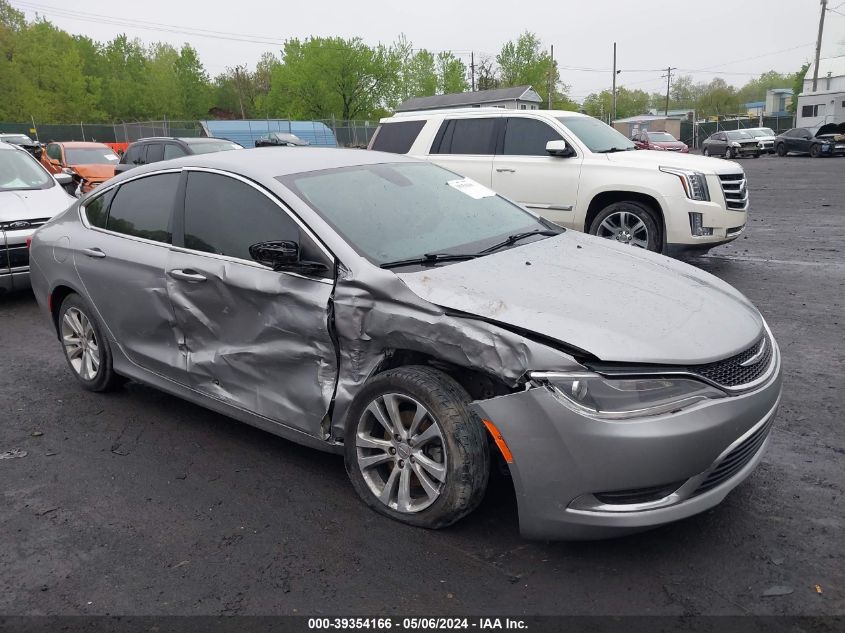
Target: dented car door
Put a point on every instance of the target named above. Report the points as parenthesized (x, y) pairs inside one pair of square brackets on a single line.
[(254, 337)]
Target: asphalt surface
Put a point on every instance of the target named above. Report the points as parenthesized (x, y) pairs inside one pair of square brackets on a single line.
[(139, 503)]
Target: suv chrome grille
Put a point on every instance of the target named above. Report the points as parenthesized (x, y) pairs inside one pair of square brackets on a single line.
[(741, 369), (734, 186), (734, 461)]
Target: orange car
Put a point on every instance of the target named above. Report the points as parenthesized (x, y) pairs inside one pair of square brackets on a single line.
[(91, 163)]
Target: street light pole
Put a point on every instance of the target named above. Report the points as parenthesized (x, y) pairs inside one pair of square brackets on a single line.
[(613, 109)]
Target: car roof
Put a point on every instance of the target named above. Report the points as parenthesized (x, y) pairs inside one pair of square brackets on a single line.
[(284, 161), (81, 144), (183, 139), (418, 114)]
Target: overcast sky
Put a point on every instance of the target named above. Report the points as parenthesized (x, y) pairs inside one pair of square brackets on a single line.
[(732, 39)]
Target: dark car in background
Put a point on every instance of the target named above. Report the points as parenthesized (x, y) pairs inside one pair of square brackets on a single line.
[(153, 150), (22, 140), (825, 140), (280, 139), (659, 141), (731, 144)]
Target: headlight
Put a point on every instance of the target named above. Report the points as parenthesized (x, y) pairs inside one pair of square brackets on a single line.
[(621, 398), (657, 147), (735, 144), (694, 182)]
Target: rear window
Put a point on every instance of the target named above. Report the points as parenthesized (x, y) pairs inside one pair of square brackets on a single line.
[(397, 137), (466, 136), (142, 207)]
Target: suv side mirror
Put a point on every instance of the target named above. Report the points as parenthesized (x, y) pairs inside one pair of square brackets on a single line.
[(559, 148)]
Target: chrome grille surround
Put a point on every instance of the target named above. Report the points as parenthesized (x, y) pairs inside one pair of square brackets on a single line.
[(735, 190)]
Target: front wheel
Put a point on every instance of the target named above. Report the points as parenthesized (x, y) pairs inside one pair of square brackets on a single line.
[(414, 450), (629, 223), (706, 151), (86, 349), (815, 151), (781, 150), (729, 153)]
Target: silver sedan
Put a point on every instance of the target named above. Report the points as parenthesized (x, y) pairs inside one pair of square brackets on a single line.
[(413, 320)]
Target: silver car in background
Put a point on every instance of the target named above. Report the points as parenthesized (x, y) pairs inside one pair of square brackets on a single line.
[(372, 305), (29, 196)]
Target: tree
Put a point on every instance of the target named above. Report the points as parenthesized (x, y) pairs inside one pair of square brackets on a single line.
[(755, 89), (628, 103), (798, 87), (524, 63), (451, 74), (719, 99), (486, 77)]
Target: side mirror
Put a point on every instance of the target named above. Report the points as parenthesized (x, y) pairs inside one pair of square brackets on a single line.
[(559, 148), (280, 255), (66, 182)]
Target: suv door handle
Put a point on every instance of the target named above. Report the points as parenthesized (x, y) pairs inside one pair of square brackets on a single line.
[(187, 274), (93, 252), (505, 169)]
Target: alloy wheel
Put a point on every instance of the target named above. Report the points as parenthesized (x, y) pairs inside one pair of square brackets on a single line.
[(624, 227), (401, 453), (80, 344)]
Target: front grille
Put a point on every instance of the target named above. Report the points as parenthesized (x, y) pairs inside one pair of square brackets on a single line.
[(28, 224), (16, 256), (736, 459), (735, 190), (638, 495), (731, 373)]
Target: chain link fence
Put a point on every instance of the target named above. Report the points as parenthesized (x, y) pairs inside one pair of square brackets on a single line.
[(694, 133)]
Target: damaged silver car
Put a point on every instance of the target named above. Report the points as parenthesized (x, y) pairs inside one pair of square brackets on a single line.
[(390, 310)]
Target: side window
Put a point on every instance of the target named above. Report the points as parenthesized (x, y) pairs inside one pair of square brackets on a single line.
[(97, 210), (528, 137), (142, 207), (54, 152), (466, 136), (155, 153), (225, 216), (134, 155), (171, 150), (397, 137)]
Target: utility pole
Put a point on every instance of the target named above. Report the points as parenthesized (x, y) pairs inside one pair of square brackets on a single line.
[(613, 109), (472, 69), (668, 83), (819, 45), (551, 74)]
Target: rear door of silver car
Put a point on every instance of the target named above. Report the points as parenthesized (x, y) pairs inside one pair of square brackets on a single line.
[(121, 260), (255, 338)]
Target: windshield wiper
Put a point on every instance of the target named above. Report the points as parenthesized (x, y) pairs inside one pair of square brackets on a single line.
[(430, 259), (611, 150), (513, 239)]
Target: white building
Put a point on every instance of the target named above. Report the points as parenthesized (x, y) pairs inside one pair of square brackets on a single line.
[(827, 103)]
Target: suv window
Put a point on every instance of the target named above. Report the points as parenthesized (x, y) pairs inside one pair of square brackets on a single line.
[(226, 216), (171, 150), (397, 137), (142, 207), (155, 153), (528, 137), (97, 210), (134, 155), (466, 136)]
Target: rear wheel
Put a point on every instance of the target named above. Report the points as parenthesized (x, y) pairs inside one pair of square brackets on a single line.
[(781, 149), (629, 223), (414, 450), (86, 350)]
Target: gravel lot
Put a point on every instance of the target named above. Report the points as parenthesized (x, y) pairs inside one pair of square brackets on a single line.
[(139, 503)]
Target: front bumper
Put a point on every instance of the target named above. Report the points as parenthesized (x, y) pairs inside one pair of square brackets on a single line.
[(14, 260), (562, 460)]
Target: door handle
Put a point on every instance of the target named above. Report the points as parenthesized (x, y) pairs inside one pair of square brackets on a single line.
[(93, 252), (505, 169), (187, 274)]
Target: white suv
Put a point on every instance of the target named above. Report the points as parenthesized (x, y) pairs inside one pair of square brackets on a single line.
[(580, 173)]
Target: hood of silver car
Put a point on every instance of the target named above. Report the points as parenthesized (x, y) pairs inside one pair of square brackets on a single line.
[(617, 302), (33, 203)]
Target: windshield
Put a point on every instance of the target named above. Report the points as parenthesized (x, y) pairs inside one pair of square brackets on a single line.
[(90, 156), (212, 146), (738, 135), (597, 136), (662, 137), (763, 131), (19, 170), (407, 210), (17, 139)]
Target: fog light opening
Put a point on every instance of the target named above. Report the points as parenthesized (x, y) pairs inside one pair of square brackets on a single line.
[(696, 224)]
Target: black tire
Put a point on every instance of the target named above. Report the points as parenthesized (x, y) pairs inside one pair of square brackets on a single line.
[(815, 150), (780, 150), (730, 154), (757, 155), (465, 443), (644, 213), (105, 379), (706, 151)]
